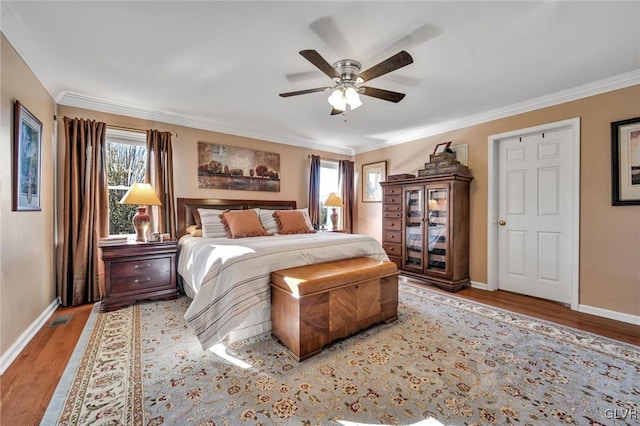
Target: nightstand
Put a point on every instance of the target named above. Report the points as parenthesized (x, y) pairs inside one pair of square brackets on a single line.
[(138, 271)]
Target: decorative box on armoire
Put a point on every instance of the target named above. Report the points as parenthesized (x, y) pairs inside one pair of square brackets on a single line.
[(425, 224)]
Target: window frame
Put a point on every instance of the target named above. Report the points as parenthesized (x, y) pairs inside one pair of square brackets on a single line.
[(123, 137), (324, 213)]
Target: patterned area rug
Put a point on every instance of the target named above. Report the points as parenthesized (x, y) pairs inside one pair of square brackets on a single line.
[(445, 361)]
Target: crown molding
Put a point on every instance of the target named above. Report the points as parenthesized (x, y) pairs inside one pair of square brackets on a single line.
[(108, 106), (620, 81)]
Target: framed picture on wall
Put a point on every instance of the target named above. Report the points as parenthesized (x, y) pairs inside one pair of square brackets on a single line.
[(372, 175), (625, 162), (27, 163)]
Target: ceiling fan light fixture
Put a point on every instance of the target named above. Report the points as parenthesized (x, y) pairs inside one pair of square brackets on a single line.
[(352, 97), (338, 100)]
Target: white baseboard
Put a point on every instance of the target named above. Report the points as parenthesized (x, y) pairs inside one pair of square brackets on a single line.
[(12, 353), (614, 315), (586, 309), (481, 286)]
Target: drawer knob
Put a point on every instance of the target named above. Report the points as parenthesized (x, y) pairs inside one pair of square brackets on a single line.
[(145, 266), (142, 281)]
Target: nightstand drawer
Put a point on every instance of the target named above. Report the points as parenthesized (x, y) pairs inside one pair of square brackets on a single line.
[(140, 267), (140, 274)]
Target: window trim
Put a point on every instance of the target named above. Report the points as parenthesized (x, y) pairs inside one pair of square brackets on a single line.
[(124, 137)]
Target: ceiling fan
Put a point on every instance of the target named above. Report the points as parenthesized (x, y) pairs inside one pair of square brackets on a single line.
[(346, 74)]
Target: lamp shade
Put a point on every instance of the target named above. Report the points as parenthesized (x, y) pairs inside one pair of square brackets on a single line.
[(433, 205), (141, 194), (333, 200)]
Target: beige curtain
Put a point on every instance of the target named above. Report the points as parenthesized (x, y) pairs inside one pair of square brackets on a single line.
[(160, 176), (346, 179), (314, 191), (85, 215)]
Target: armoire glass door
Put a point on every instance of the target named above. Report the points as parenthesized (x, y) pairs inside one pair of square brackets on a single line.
[(437, 205), (414, 223)]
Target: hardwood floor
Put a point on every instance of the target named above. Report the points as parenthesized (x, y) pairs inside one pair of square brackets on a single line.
[(28, 384)]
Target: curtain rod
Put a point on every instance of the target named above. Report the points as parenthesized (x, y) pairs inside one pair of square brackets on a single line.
[(138, 130), (131, 129), (324, 158)]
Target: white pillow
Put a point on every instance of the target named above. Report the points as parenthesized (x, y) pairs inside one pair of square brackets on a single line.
[(268, 221), (212, 226)]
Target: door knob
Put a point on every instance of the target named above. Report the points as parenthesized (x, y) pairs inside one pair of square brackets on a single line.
[(502, 223)]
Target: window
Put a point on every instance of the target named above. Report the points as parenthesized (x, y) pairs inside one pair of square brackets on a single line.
[(328, 184), (126, 165)]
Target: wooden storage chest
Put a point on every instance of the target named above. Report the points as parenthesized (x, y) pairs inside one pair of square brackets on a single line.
[(314, 305)]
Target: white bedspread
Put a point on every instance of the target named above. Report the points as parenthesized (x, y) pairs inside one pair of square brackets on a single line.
[(228, 279)]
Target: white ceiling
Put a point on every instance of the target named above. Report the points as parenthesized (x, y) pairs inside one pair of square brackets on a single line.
[(220, 65)]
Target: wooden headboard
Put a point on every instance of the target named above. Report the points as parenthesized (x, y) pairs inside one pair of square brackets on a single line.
[(187, 205)]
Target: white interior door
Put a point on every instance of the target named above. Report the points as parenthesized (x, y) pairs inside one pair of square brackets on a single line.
[(535, 232)]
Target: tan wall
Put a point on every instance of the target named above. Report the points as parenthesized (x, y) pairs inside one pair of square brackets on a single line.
[(609, 236), (294, 161), (26, 238)]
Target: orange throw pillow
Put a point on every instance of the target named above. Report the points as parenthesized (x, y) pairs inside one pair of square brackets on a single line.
[(292, 222), (242, 224)]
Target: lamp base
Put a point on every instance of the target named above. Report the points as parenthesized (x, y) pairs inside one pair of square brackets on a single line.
[(334, 218), (141, 224)]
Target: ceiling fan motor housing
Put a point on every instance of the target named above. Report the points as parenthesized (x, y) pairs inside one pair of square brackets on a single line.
[(348, 70)]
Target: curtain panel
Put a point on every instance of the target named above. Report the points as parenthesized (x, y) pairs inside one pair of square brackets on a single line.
[(85, 215), (314, 191), (346, 179), (160, 175)]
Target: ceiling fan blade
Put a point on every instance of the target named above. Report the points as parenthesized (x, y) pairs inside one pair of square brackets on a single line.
[(386, 95), (336, 111), (392, 63), (304, 92), (416, 37), (329, 32), (302, 76), (320, 63)]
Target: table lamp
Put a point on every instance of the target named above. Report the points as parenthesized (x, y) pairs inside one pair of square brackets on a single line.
[(333, 200), (142, 195)]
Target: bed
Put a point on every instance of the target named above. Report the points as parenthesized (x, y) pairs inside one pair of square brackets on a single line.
[(228, 279)]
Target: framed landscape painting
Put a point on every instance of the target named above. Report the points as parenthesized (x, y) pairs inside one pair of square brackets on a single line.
[(27, 165), (232, 167), (372, 175), (625, 162)]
